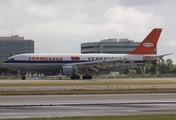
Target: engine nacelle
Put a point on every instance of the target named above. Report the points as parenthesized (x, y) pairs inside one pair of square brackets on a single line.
[(69, 70)]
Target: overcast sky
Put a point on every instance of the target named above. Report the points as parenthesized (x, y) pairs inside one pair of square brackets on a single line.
[(59, 26)]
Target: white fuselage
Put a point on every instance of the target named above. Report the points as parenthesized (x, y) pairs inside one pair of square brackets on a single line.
[(53, 62)]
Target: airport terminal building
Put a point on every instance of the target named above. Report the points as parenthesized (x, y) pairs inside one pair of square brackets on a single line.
[(111, 46), (15, 44)]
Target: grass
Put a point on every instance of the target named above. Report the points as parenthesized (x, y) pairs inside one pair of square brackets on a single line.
[(84, 91), (84, 84), (130, 117), (94, 82), (91, 83)]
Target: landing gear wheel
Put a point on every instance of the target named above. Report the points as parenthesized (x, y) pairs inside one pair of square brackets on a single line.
[(23, 77), (72, 77), (83, 77), (75, 77), (87, 77)]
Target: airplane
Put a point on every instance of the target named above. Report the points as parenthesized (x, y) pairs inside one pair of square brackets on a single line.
[(71, 64)]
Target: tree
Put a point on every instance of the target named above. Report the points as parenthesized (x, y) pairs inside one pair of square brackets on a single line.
[(1, 61), (169, 65), (126, 70), (11, 53), (148, 67), (121, 71), (165, 66), (132, 72), (161, 66), (154, 66)]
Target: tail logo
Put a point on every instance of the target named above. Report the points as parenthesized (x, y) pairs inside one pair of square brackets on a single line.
[(148, 45)]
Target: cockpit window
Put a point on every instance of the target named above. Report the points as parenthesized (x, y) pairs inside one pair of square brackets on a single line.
[(11, 59)]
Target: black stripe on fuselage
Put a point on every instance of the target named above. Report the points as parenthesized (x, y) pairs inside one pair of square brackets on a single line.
[(63, 61), (24, 61)]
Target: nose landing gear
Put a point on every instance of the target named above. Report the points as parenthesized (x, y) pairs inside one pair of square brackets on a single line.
[(23, 75)]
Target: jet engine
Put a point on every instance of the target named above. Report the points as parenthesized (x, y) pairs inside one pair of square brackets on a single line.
[(69, 70)]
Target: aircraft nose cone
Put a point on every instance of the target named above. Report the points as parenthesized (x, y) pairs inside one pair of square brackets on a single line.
[(5, 64)]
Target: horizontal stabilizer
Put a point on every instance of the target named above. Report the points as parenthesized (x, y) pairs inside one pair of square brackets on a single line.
[(154, 57)]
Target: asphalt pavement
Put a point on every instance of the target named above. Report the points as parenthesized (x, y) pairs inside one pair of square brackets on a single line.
[(89, 105)]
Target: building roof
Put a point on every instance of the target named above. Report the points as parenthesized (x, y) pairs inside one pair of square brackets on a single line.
[(15, 37)]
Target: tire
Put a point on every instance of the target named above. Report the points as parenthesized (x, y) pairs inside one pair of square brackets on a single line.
[(89, 77), (84, 77), (77, 77), (72, 77), (23, 77)]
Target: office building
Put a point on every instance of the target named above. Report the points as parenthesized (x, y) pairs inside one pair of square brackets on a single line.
[(15, 44), (111, 46)]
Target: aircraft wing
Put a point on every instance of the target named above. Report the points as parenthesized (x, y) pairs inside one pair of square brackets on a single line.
[(95, 65), (154, 57)]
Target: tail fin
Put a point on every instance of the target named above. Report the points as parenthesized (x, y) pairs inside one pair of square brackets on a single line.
[(147, 46)]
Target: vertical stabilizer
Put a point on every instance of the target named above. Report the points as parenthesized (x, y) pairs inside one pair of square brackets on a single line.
[(147, 46)]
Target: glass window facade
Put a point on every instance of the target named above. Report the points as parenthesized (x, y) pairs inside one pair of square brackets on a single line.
[(96, 46), (86, 47), (120, 46), (89, 47), (116, 52), (110, 47), (15, 46)]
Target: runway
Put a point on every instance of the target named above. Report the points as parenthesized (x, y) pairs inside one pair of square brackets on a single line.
[(76, 105)]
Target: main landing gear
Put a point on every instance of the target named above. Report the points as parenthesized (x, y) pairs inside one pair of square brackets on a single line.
[(86, 77), (73, 77)]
